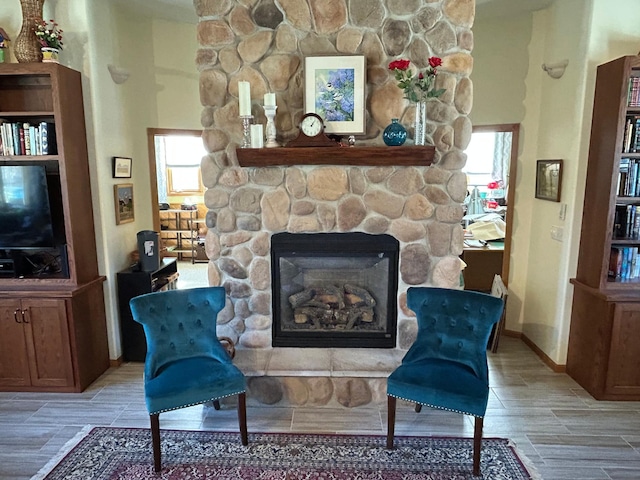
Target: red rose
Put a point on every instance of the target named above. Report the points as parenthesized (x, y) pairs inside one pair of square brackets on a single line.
[(421, 76), (399, 65), (435, 62)]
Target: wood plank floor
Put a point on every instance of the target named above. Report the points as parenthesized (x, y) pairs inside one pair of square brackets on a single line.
[(555, 423)]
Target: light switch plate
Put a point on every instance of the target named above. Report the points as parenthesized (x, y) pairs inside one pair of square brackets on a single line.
[(557, 233)]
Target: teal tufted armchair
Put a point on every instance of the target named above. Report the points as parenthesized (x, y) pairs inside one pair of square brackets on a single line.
[(446, 367), (186, 364)]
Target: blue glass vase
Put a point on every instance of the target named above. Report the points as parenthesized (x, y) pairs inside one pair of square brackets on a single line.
[(395, 134)]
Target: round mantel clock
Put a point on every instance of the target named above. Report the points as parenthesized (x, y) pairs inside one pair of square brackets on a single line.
[(312, 133)]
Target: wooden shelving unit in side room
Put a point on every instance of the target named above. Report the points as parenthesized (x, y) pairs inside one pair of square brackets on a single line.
[(179, 233), (53, 327), (604, 339)]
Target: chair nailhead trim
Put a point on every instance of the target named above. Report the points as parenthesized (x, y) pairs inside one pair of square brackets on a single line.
[(196, 403), (436, 406)]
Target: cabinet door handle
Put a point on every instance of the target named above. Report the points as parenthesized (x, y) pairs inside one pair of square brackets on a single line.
[(25, 317), (15, 315)]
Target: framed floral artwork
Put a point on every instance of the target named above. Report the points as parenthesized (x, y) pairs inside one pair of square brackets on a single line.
[(334, 88), (549, 180), (123, 196)]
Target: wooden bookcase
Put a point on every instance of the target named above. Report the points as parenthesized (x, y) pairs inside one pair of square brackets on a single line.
[(604, 340), (53, 333)]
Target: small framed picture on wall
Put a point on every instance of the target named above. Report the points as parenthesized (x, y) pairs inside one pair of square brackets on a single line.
[(121, 167), (549, 180), (123, 196)]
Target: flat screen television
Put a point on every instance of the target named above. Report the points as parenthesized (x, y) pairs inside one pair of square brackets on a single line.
[(25, 210)]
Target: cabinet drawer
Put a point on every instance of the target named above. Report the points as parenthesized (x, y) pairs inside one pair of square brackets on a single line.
[(624, 360)]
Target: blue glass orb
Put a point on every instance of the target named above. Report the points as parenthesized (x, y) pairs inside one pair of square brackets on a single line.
[(395, 134)]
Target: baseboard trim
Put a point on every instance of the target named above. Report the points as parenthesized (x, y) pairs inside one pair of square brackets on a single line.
[(543, 356), (115, 363)]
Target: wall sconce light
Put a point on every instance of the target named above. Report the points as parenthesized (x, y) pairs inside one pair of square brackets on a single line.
[(118, 75), (555, 70)]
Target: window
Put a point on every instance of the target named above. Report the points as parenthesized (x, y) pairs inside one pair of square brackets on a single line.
[(179, 157), (488, 160)]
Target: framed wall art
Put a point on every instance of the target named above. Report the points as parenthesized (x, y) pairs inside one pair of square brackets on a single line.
[(121, 167), (123, 196), (334, 88), (549, 180)]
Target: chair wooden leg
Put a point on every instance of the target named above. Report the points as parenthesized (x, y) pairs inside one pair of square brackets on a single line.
[(216, 404), (477, 444), (418, 408), (391, 420), (155, 440), (242, 417)]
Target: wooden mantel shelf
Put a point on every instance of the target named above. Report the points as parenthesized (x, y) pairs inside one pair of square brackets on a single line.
[(357, 156)]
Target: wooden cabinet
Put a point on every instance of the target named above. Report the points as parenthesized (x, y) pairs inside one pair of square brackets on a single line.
[(604, 352), (131, 283), (52, 313), (37, 342), (482, 265)]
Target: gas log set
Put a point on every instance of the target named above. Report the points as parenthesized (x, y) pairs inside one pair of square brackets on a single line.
[(333, 307)]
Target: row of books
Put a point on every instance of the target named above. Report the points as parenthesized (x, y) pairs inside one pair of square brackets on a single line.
[(633, 99), (27, 139), (629, 178), (631, 139), (626, 222), (624, 263)]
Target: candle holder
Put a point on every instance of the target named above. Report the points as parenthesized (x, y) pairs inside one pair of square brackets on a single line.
[(246, 130), (270, 112)]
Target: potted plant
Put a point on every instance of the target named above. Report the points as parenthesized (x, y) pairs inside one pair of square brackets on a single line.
[(49, 36)]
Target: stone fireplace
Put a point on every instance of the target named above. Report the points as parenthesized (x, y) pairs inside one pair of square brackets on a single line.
[(264, 42), (334, 290)]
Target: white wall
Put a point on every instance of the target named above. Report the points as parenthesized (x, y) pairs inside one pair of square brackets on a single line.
[(500, 66), (562, 34)]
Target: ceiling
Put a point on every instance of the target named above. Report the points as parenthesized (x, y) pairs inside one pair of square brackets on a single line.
[(184, 11)]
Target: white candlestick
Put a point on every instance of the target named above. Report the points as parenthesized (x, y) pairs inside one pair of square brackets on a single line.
[(257, 138), (270, 112), (244, 98), (269, 99)]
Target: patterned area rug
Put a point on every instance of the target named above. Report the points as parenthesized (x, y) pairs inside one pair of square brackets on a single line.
[(125, 453)]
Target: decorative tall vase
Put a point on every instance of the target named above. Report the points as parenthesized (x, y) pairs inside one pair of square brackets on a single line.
[(420, 123), (27, 47)]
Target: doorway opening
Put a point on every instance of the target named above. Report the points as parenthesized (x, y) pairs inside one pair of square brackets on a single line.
[(179, 213), (491, 163)]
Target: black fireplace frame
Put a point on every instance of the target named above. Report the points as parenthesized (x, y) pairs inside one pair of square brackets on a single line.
[(333, 245)]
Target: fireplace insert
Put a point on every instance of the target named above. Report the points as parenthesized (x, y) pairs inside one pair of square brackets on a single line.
[(334, 290)]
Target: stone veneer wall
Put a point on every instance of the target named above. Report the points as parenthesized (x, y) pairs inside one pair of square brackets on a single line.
[(265, 42)]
